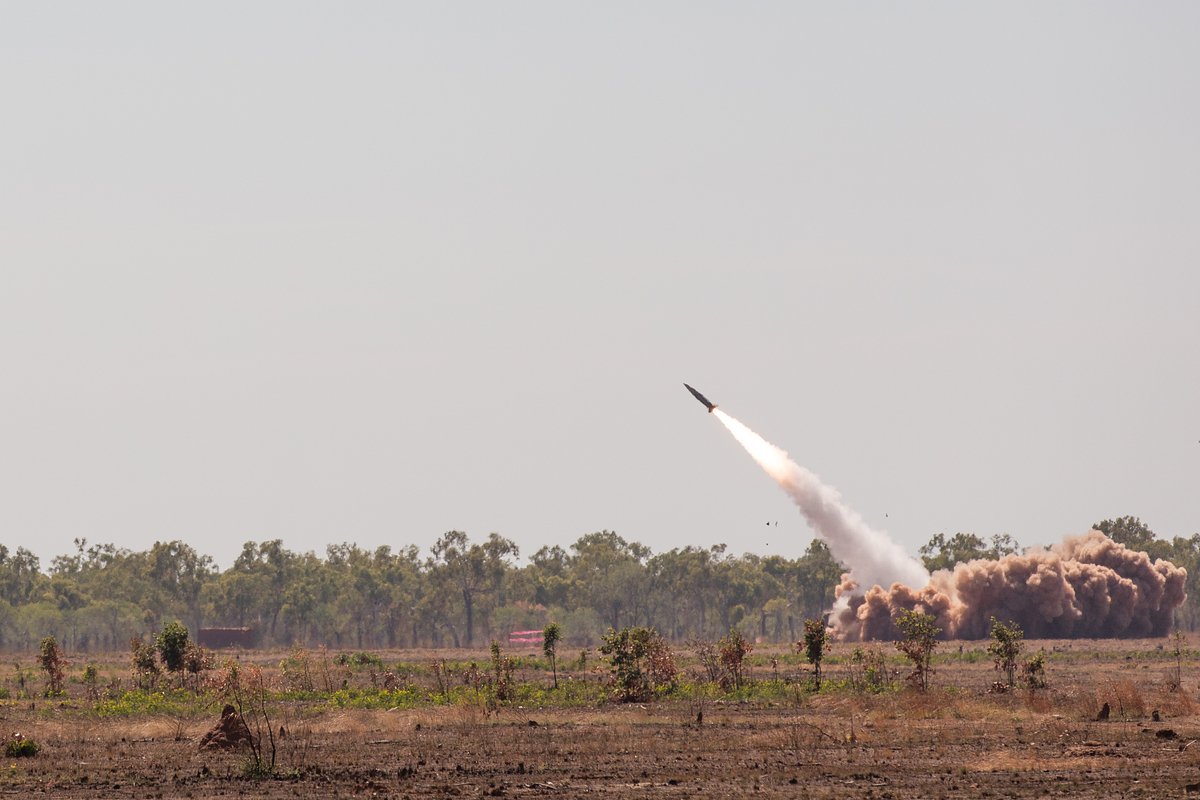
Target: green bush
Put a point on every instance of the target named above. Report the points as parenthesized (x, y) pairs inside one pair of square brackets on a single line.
[(919, 633), (18, 746), (1005, 649), (172, 645), (816, 642), (641, 663)]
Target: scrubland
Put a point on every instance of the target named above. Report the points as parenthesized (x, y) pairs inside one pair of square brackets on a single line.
[(447, 724)]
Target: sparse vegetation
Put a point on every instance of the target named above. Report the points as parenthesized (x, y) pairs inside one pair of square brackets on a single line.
[(869, 671), (816, 640), (19, 746), (91, 682), (447, 712), (918, 639), (551, 635), (145, 663), (196, 661), (502, 688), (54, 664), (359, 659), (640, 662), (247, 691), (1005, 650), (1033, 672), (1178, 646), (171, 644), (733, 650)]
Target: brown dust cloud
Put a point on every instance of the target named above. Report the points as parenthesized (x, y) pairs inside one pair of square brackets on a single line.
[(1088, 586)]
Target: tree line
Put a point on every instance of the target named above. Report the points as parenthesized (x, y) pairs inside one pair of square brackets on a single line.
[(463, 593)]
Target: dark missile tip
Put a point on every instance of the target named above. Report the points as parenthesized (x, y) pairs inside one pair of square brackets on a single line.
[(701, 398)]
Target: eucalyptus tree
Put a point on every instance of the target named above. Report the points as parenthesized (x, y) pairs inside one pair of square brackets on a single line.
[(180, 573), (403, 573), (237, 598), (268, 566), (1185, 552), (21, 576), (307, 601), (687, 578), (1134, 534), (475, 571), (816, 575), (548, 574), (375, 590), (608, 574), (942, 553), (742, 590)]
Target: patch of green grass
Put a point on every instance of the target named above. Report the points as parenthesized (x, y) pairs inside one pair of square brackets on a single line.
[(407, 697), (256, 769), (178, 702), (360, 659), (972, 656), (571, 693)]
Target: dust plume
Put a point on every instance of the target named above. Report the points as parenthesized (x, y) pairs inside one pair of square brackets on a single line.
[(1086, 587), (873, 558)]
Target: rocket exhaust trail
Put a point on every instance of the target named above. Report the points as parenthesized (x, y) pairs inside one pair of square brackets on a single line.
[(1088, 586), (871, 555)]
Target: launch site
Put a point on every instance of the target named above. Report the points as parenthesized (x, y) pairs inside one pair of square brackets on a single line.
[(343, 445)]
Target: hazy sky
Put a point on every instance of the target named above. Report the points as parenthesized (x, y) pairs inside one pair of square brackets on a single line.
[(370, 272)]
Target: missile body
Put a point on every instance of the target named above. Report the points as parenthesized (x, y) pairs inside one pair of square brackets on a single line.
[(701, 398)]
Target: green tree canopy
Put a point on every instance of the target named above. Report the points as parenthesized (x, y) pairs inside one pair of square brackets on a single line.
[(942, 553)]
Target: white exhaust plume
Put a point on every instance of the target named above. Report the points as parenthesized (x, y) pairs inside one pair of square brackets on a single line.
[(872, 556), (1088, 586)]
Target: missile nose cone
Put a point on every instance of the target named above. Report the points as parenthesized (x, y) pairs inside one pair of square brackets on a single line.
[(701, 398)]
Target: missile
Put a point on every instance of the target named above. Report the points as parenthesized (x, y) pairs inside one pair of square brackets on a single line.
[(701, 398)]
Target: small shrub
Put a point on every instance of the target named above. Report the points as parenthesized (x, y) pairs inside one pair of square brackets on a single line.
[(145, 663), (640, 661), (91, 682), (732, 651), (816, 641), (248, 695), (19, 746), (869, 670), (474, 677), (919, 634), (502, 676), (197, 660), (297, 672), (172, 643), (227, 682), (710, 660), (439, 673), (1005, 648), (551, 635), (54, 664), (1033, 672), (256, 768), (1179, 642)]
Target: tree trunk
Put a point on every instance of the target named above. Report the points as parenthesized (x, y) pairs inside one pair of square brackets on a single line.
[(468, 603)]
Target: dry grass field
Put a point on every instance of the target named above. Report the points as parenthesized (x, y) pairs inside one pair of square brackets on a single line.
[(958, 740)]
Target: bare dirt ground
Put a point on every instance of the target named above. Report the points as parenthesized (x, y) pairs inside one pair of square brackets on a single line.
[(956, 741)]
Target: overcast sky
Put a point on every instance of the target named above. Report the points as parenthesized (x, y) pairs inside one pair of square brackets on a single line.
[(370, 272)]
